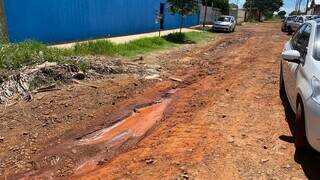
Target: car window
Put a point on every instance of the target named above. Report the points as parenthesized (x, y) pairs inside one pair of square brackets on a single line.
[(296, 35), (301, 39), (309, 17), (300, 19), (224, 19)]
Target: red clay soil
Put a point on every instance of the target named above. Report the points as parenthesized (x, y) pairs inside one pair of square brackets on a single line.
[(226, 121)]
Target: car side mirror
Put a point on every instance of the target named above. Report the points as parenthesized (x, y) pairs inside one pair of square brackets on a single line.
[(291, 56)]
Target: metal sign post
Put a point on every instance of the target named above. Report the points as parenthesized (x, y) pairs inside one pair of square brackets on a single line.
[(159, 20)]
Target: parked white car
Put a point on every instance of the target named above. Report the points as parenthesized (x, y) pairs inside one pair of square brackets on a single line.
[(300, 82), (225, 23), (292, 26)]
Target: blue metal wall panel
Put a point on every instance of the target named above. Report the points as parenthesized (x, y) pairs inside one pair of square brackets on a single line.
[(69, 20)]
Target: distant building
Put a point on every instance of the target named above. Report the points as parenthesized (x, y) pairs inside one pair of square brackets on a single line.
[(55, 21), (214, 13), (211, 15), (315, 7), (239, 14)]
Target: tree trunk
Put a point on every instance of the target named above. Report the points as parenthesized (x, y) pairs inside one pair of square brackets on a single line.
[(259, 16), (299, 7), (181, 23), (205, 15), (307, 7)]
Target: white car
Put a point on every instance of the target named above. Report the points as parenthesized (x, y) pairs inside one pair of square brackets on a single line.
[(225, 23), (292, 26), (300, 82)]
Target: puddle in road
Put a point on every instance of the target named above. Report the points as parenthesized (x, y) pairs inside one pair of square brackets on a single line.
[(101, 146), (136, 125), (125, 133)]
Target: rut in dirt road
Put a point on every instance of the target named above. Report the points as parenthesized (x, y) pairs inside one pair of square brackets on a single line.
[(228, 125), (226, 121)]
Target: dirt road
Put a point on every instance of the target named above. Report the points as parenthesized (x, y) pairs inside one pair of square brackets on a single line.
[(225, 120), (228, 125)]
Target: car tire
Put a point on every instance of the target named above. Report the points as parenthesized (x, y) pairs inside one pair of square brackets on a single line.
[(282, 90), (290, 32), (300, 138)]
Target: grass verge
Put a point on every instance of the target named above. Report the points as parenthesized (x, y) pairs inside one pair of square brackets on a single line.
[(139, 46), (15, 56)]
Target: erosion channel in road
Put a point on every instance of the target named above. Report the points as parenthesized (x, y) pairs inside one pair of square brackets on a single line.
[(225, 121)]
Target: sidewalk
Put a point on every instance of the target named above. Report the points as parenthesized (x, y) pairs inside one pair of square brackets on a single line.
[(125, 39)]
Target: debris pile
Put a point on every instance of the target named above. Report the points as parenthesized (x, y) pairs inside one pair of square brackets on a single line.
[(46, 76)]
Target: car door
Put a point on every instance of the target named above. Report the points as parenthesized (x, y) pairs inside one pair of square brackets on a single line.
[(233, 22), (299, 42)]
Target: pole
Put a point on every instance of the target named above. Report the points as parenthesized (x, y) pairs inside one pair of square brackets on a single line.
[(237, 10), (205, 13)]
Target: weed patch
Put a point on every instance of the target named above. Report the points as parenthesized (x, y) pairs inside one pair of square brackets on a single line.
[(15, 56)]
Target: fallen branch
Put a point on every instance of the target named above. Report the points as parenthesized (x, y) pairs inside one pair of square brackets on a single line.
[(52, 86), (49, 88), (176, 79), (85, 84), (45, 90)]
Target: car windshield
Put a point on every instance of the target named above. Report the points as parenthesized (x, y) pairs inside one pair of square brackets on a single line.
[(224, 19), (291, 18)]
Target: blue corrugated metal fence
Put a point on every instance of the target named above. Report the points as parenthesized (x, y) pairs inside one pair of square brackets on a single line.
[(69, 20)]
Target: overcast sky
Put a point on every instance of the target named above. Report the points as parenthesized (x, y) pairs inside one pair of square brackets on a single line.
[(288, 4)]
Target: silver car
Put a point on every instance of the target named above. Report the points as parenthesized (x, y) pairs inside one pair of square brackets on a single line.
[(225, 23), (300, 83), (287, 21), (292, 26)]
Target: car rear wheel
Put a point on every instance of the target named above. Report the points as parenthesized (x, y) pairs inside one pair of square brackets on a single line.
[(290, 31), (282, 90), (300, 137)]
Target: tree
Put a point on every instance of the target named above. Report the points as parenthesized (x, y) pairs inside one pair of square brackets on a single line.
[(205, 3), (233, 6), (183, 8), (294, 13), (263, 7), (282, 14), (221, 4)]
